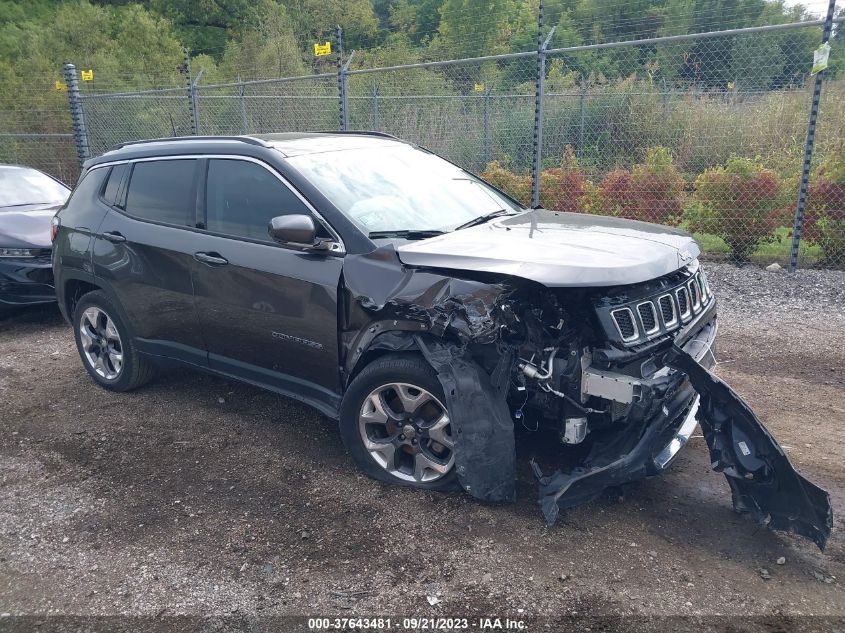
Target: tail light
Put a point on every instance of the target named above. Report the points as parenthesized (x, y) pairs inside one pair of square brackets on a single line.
[(54, 227)]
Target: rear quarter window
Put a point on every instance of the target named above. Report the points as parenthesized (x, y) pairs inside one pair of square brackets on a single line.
[(163, 191), (112, 188)]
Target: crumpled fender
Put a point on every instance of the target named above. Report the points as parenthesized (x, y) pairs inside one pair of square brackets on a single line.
[(391, 306), (485, 452), (763, 482)]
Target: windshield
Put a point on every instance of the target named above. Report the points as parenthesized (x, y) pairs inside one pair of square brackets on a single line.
[(400, 188), (21, 185)]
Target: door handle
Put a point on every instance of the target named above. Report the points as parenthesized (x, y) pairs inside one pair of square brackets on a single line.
[(113, 236), (212, 259)]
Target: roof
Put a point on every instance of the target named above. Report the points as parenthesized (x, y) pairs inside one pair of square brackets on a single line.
[(288, 144), (298, 143)]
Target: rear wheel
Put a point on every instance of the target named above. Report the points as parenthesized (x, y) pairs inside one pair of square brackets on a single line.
[(105, 345), (396, 426)]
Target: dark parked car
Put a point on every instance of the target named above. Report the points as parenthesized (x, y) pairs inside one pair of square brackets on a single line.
[(28, 201), (419, 306)]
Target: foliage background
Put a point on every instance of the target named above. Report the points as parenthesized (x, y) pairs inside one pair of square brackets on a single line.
[(657, 125)]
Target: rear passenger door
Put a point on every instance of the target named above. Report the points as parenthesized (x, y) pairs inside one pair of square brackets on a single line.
[(269, 313), (144, 252)]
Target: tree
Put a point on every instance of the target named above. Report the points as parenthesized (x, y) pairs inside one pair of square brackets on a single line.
[(204, 26)]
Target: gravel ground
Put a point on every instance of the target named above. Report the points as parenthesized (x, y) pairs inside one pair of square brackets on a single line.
[(200, 496)]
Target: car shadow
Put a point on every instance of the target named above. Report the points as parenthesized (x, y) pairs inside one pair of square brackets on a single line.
[(42, 314)]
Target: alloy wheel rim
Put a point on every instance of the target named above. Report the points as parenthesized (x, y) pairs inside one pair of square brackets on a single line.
[(407, 432), (101, 343)]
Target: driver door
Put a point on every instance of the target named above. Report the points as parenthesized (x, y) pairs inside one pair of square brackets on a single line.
[(268, 313)]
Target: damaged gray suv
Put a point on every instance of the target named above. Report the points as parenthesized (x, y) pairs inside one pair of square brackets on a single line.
[(424, 309)]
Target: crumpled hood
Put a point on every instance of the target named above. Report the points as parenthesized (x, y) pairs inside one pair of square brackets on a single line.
[(26, 227), (559, 249)]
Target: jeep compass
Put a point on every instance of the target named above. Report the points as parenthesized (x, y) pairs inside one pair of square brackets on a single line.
[(425, 310)]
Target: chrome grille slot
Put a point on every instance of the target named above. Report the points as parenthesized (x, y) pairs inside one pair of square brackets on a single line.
[(695, 294), (683, 302), (648, 317), (625, 323), (705, 295), (667, 311)]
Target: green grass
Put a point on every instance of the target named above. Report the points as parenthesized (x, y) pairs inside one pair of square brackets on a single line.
[(776, 251)]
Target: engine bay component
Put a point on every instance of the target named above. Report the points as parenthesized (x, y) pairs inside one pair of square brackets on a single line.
[(609, 385), (574, 431)]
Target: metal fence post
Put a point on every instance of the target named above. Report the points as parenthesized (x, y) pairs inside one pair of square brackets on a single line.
[(80, 132), (343, 105), (375, 123), (242, 104), (581, 105), (537, 154), (798, 223), (192, 95), (486, 124)]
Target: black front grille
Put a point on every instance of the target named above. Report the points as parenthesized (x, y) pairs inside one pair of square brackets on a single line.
[(625, 322), (656, 311), (667, 309), (647, 316)]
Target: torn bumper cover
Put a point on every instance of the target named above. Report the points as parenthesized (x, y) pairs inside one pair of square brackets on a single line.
[(763, 482)]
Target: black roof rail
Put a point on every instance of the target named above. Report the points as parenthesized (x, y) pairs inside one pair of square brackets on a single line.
[(366, 133), (244, 139)]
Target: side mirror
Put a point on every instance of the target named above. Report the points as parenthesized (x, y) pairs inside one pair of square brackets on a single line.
[(296, 230)]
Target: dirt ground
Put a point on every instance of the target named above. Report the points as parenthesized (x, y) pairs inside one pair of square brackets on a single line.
[(200, 496)]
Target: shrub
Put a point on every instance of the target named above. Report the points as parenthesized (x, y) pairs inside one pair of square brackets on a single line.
[(740, 202), (652, 191), (564, 188), (824, 218), (518, 187), (616, 193)]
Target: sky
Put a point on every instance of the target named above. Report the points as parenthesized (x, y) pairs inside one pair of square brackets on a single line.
[(815, 6)]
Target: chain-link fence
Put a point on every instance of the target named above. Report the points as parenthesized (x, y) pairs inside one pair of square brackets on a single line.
[(35, 130), (52, 153), (708, 132)]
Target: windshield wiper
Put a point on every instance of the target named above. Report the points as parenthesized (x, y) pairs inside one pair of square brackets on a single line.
[(407, 234), (482, 219), (26, 204)]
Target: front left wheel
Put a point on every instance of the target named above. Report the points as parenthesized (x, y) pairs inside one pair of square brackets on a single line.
[(105, 345), (395, 424)]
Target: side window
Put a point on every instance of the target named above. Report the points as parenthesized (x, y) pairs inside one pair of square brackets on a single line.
[(163, 191), (242, 197), (113, 184)]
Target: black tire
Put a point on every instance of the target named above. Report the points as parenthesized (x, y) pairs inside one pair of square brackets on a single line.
[(410, 369), (136, 370)]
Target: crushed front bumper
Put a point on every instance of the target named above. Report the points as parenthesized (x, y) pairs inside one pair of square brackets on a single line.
[(762, 480), (645, 449)]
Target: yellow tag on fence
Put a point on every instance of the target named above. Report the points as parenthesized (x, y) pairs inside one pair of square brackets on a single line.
[(478, 87), (820, 57), (87, 75), (321, 50), (61, 86)]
